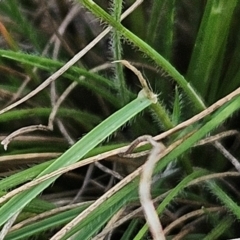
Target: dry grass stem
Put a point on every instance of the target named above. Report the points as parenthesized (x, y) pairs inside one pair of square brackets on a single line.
[(145, 88), (216, 137), (109, 226), (212, 176), (108, 194), (70, 63), (145, 187), (67, 92), (5, 142), (108, 171), (183, 233), (139, 190), (8, 225), (228, 155), (189, 215), (84, 184), (162, 196), (215, 141), (200, 115), (60, 171), (23, 130), (29, 156), (46, 214), (119, 222)]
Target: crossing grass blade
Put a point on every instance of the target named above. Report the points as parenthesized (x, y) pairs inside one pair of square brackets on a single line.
[(75, 153)]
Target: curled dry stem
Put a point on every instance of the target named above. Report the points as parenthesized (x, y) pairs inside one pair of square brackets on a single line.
[(146, 91), (20, 131), (145, 186)]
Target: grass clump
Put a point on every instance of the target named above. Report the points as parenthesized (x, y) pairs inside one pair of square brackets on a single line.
[(81, 80)]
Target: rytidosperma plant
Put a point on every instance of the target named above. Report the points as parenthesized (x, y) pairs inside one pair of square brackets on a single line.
[(188, 53)]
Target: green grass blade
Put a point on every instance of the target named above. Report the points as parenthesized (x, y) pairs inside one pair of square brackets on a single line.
[(27, 29), (168, 27), (93, 81), (209, 44), (30, 173), (153, 24), (51, 65), (226, 86), (129, 192), (150, 52), (176, 114), (45, 224), (85, 119), (105, 210), (116, 47), (94, 225), (130, 230), (221, 228), (23, 176), (75, 153), (216, 119), (162, 26), (189, 53), (228, 202)]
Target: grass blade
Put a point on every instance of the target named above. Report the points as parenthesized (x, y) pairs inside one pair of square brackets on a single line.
[(216, 21), (146, 49), (75, 153)]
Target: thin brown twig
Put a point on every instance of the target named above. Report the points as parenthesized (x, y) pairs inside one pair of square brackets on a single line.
[(216, 137), (5, 142), (120, 222), (72, 13), (65, 133), (228, 155), (57, 43), (20, 90), (66, 169), (47, 214), (145, 88), (108, 171), (215, 141), (183, 233), (192, 214), (20, 131), (67, 92), (52, 78), (61, 29), (70, 63), (87, 177), (197, 117)]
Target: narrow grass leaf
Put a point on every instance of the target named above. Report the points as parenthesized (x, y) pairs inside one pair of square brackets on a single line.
[(116, 47), (221, 228), (75, 153), (176, 108), (172, 194), (146, 49), (228, 202), (130, 191), (216, 21), (45, 224)]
